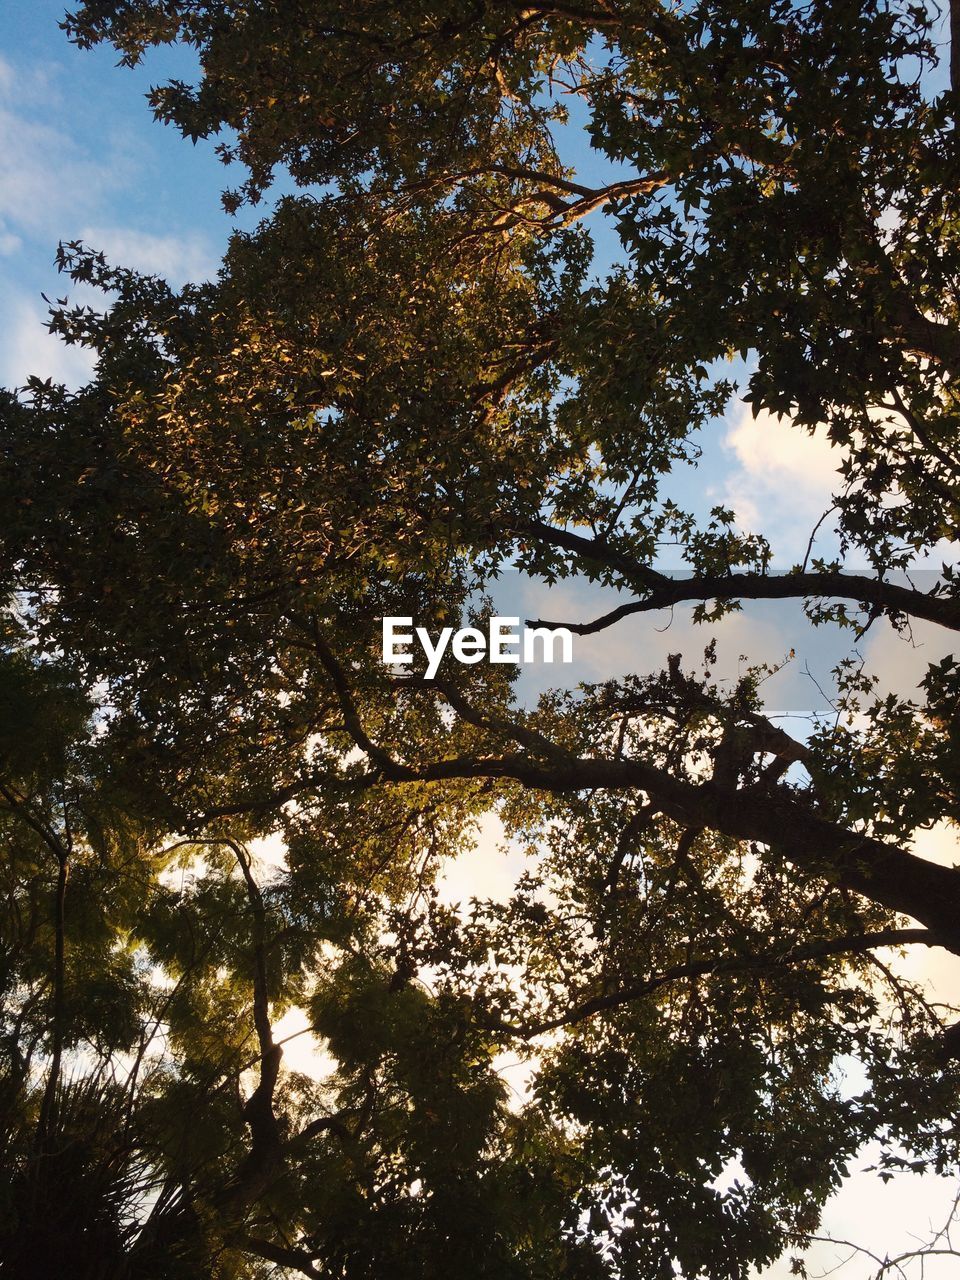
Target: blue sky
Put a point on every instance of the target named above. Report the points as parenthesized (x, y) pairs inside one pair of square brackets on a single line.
[(81, 157)]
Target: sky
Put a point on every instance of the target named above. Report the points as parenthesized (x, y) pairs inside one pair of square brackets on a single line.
[(82, 158)]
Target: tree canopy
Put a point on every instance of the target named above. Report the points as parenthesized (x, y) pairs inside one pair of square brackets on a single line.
[(407, 378)]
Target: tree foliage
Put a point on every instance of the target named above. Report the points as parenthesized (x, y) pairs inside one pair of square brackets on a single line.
[(406, 377)]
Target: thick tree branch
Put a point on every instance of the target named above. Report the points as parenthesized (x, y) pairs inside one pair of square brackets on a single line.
[(266, 1150), (270, 1251), (662, 591), (597, 550), (920, 334), (272, 801), (770, 815), (880, 872)]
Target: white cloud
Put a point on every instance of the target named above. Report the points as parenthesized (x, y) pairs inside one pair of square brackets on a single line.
[(176, 258), (30, 350), (782, 481), (764, 631), (940, 844), (489, 870), (888, 1219), (900, 660), (934, 968), (302, 1052)]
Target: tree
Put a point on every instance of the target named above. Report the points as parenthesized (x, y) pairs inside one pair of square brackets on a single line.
[(403, 378)]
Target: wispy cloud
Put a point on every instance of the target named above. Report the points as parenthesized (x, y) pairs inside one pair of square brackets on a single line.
[(54, 187), (33, 85), (45, 174)]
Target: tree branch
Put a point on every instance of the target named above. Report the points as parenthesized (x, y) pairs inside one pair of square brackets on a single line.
[(662, 591), (270, 1251), (266, 1148), (853, 944), (61, 850), (769, 814)]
